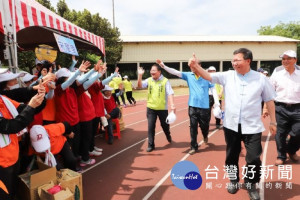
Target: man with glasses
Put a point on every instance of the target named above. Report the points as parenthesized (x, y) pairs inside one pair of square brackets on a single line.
[(286, 81), (244, 91), (159, 92)]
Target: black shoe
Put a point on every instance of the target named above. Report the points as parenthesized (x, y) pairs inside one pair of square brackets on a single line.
[(149, 149), (253, 193), (218, 126), (169, 138), (110, 141), (233, 187)]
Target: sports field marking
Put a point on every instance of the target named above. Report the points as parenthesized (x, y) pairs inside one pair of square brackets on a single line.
[(114, 155), (169, 172), (262, 180)]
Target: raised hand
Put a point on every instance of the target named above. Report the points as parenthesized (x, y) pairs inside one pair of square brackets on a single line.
[(84, 65), (41, 88), (36, 100), (141, 71), (158, 61), (102, 68)]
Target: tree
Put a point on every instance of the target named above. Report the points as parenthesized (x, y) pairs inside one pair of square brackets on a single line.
[(290, 30)]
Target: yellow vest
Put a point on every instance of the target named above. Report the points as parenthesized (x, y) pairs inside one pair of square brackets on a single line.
[(112, 85), (117, 81), (218, 89), (157, 94), (127, 86)]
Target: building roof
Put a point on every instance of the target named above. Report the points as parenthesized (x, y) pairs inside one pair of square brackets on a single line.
[(205, 38)]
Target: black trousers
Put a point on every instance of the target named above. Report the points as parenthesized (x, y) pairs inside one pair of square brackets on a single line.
[(117, 98), (9, 176), (253, 147), (199, 116), (152, 116), (85, 139), (130, 99), (114, 114), (288, 122), (68, 158), (96, 122), (75, 141)]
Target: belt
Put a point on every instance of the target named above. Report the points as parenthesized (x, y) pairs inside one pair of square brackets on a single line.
[(287, 104)]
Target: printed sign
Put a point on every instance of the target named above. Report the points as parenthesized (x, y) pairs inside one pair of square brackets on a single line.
[(66, 45)]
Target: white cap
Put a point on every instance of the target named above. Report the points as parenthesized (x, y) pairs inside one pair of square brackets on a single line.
[(2, 70), (289, 53), (217, 112), (27, 77), (211, 68), (265, 72), (171, 118), (125, 76), (8, 75), (62, 72), (107, 88), (39, 138)]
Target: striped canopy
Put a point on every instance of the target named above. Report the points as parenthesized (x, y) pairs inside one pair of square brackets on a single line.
[(31, 17)]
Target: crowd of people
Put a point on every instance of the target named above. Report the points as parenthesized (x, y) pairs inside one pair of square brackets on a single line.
[(62, 110)]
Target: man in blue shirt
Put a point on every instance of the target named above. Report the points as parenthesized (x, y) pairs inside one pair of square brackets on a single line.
[(244, 91), (199, 112)]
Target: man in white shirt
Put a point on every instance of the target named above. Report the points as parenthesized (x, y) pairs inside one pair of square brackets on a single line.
[(244, 90), (286, 81)]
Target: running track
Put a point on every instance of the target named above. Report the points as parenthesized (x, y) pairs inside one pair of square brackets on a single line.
[(127, 171)]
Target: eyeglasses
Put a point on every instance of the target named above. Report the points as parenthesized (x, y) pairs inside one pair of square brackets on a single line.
[(236, 61)]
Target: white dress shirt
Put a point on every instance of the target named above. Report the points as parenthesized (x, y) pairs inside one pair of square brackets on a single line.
[(243, 97), (287, 86)]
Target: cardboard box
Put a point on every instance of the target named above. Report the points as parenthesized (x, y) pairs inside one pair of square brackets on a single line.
[(29, 182), (64, 194), (70, 179)]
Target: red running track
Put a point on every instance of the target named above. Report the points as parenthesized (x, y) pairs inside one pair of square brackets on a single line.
[(127, 171)]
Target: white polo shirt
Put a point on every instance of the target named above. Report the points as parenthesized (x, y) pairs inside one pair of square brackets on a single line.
[(243, 97), (287, 86)]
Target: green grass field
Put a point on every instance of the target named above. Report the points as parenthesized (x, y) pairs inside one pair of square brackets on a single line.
[(142, 94)]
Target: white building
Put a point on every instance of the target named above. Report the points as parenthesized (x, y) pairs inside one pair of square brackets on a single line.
[(211, 50)]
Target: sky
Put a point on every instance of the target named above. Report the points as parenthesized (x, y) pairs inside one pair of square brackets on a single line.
[(191, 17)]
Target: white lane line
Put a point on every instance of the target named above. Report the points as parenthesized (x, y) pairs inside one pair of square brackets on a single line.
[(169, 172), (262, 180), (114, 155)]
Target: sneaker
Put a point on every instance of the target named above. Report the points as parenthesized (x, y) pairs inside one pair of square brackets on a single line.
[(95, 153), (88, 162), (253, 193), (192, 151), (232, 187), (97, 148), (149, 149)]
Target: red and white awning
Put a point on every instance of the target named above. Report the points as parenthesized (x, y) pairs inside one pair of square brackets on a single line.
[(29, 13)]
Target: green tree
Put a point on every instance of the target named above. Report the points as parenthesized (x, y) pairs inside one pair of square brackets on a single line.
[(290, 30), (46, 3)]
